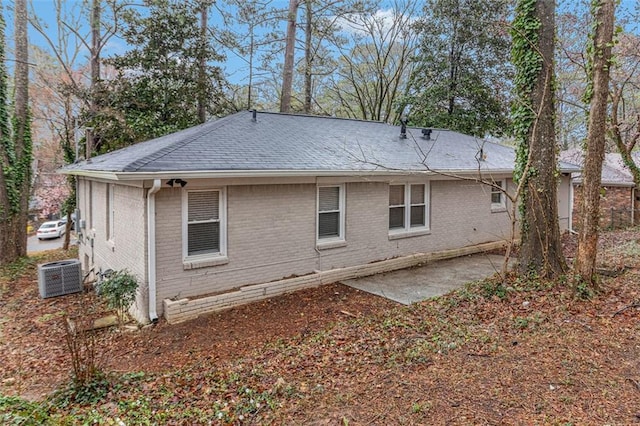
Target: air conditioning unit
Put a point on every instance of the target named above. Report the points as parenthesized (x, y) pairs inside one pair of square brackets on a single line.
[(59, 278)]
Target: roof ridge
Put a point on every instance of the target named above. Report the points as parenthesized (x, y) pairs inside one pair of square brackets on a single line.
[(213, 125), (294, 114)]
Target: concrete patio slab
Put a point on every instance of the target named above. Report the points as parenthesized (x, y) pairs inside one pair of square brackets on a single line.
[(434, 279)]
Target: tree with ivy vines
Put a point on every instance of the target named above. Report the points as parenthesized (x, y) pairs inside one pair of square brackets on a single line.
[(534, 126), (596, 94), (16, 151)]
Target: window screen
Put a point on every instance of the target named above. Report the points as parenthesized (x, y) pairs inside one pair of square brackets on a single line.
[(417, 206), (329, 215), (203, 222), (396, 206), (497, 197)]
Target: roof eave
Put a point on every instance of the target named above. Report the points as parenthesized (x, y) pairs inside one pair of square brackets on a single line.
[(211, 174)]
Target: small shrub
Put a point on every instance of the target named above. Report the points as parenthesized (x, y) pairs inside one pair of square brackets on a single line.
[(84, 346), (118, 290), (584, 291), (491, 288)]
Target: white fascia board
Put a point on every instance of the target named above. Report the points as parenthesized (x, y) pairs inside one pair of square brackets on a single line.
[(208, 174)]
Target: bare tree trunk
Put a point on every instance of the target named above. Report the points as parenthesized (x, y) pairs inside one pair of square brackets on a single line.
[(251, 53), (625, 145), (95, 42), (91, 139), (287, 74), (541, 251), (308, 58), (202, 107), (14, 193), (585, 262), (68, 142)]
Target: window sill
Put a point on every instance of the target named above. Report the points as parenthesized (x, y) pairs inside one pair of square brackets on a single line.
[(396, 235), (498, 209), (188, 263), (329, 244)]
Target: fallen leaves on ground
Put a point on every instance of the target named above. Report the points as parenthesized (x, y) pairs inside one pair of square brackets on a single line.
[(495, 352)]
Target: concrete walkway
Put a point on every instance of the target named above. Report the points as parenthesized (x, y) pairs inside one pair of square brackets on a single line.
[(411, 285)]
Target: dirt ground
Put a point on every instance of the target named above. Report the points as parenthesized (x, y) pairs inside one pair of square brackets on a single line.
[(490, 354)]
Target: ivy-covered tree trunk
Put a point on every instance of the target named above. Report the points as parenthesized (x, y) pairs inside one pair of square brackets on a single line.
[(597, 93), (15, 149), (534, 120)]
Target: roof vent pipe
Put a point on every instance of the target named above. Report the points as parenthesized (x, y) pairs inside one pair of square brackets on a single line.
[(403, 130), (254, 117), (426, 133)]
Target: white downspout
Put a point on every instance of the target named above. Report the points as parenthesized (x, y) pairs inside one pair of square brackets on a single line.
[(151, 248), (571, 194)]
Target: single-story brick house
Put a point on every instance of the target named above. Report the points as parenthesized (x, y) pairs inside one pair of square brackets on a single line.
[(258, 204), (619, 198)]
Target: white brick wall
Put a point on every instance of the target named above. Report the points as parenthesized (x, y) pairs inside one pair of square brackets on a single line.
[(127, 248), (271, 233)]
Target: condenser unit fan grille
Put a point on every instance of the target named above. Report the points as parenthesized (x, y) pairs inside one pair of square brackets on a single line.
[(59, 278)]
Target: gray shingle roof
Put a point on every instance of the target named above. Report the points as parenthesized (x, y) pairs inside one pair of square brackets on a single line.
[(286, 142), (614, 172)]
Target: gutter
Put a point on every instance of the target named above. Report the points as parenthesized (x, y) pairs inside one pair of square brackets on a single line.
[(151, 248), (211, 174)]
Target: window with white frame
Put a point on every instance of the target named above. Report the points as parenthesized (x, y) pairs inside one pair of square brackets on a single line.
[(408, 207), (110, 212), (204, 231), (497, 194), (331, 212)]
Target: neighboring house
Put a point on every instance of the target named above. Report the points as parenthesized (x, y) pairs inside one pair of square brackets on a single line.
[(258, 204), (618, 200)]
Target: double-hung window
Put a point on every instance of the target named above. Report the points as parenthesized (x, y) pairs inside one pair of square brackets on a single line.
[(498, 196), (330, 213), (408, 207), (204, 229)]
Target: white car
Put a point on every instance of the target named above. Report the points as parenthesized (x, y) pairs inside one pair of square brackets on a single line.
[(52, 229)]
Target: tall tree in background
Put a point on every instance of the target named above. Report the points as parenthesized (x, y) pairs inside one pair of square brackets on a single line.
[(71, 81), (15, 147), (255, 41), (571, 75), (202, 62), (160, 80), (374, 67), (625, 104), (461, 79), (597, 93), (534, 126), (322, 34), (289, 56)]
